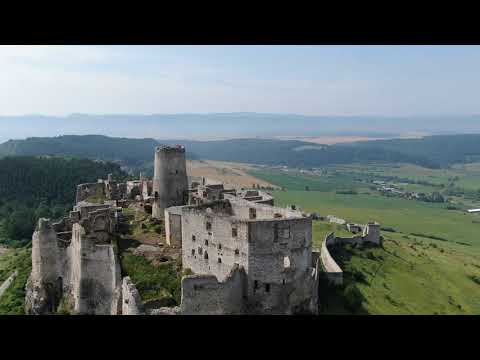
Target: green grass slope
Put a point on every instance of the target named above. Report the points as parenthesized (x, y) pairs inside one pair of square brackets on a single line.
[(12, 301), (429, 264)]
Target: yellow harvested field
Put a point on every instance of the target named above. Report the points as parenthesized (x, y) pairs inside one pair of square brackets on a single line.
[(338, 139), (233, 175)]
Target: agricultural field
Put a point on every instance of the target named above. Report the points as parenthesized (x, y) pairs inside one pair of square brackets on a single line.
[(234, 175), (430, 260)]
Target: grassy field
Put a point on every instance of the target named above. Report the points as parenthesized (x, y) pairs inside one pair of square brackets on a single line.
[(295, 181), (465, 176), (403, 215), (409, 276), (430, 263)]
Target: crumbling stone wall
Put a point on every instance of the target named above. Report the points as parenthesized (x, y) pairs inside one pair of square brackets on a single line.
[(85, 191), (281, 274), (275, 252), (84, 270), (208, 243), (131, 301), (205, 295), (173, 226)]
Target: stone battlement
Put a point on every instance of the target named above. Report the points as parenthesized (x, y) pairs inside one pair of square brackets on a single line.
[(170, 148)]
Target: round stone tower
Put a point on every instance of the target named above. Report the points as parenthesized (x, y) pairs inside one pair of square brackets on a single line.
[(170, 184)]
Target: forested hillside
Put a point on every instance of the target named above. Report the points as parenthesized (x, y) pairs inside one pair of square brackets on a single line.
[(136, 152), (33, 187), (441, 149), (431, 151), (129, 151)]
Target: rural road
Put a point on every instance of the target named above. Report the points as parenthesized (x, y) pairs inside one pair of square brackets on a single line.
[(7, 283)]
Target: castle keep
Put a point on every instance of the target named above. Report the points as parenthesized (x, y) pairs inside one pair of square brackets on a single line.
[(170, 183)]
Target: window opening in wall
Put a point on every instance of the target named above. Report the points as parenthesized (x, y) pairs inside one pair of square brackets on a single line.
[(234, 232), (219, 260), (252, 213), (255, 285), (205, 256), (283, 281), (219, 246), (193, 252), (194, 238), (237, 252), (206, 242), (156, 194), (208, 226), (267, 288)]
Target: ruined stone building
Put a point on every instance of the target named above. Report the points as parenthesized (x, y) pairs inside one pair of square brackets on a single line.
[(212, 191), (247, 258), (75, 261), (256, 196), (206, 192)]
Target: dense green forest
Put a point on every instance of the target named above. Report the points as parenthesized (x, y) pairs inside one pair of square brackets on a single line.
[(129, 151), (33, 187), (430, 152), (440, 149)]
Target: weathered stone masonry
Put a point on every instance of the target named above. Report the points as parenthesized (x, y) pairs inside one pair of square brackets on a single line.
[(83, 271), (272, 245)]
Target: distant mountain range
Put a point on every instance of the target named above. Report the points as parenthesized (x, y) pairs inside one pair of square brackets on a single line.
[(231, 125), (431, 151)]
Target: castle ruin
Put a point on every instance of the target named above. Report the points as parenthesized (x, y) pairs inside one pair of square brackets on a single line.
[(243, 254)]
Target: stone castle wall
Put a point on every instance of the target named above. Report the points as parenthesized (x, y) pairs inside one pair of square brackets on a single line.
[(205, 295), (131, 301), (333, 272), (83, 270), (173, 226), (213, 251), (371, 234), (85, 191), (275, 252)]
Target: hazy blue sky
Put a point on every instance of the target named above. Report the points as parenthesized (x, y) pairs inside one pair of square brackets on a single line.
[(313, 80)]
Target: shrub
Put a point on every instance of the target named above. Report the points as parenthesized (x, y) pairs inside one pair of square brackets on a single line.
[(359, 276)]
